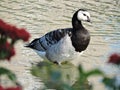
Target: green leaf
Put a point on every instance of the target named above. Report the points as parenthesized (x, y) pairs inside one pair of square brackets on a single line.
[(3, 71), (3, 54), (109, 82), (85, 86), (67, 87), (11, 75), (94, 72), (80, 69)]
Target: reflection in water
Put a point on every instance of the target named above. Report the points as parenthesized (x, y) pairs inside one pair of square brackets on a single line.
[(41, 16)]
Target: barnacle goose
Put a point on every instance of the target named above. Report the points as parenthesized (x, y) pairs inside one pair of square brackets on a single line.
[(64, 44)]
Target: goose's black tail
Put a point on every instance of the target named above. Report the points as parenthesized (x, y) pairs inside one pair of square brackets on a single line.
[(32, 44)]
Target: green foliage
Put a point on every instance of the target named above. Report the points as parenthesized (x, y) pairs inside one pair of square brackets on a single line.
[(55, 76), (84, 86), (82, 83), (68, 77), (110, 83), (64, 77), (11, 75)]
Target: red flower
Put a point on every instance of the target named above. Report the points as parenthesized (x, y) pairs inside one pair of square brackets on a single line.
[(1, 88), (6, 51), (22, 34), (2, 27), (13, 32), (115, 59), (11, 88), (14, 88), (5, 28)]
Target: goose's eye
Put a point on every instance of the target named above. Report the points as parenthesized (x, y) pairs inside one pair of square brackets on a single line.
[(84, 14)]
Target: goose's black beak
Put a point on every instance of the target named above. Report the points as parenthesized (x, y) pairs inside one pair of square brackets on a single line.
[(88, 20)]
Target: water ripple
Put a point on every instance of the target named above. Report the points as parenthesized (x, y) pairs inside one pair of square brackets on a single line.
[(42, 16)]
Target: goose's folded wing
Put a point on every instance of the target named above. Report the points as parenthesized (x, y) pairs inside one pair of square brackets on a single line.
[(49, 39)]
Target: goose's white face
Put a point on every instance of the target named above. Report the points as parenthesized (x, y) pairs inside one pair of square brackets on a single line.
[(83, 16)]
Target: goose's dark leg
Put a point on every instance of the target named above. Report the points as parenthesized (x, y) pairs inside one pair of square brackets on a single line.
[(57, 63)]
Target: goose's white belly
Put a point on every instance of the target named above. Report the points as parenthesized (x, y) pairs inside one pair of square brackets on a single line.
[(62, 51)]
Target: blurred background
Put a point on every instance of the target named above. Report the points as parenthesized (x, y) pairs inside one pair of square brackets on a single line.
[(42, 16)]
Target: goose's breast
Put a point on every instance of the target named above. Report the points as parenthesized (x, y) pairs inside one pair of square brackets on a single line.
[(61, 51)]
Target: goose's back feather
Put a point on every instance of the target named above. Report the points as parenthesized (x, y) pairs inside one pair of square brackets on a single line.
[(45, 42)]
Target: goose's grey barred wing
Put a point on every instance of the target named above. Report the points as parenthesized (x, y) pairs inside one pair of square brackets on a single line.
[(49, 39)]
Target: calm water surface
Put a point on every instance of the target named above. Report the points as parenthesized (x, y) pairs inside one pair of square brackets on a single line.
[(42, 16)]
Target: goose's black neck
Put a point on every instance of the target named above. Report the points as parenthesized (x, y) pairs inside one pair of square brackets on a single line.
[(77, 25)]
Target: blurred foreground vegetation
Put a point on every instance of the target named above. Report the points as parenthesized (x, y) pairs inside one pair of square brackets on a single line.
[(69, 77)]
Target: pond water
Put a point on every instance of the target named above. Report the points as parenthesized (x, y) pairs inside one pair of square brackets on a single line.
[(42, 16)]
